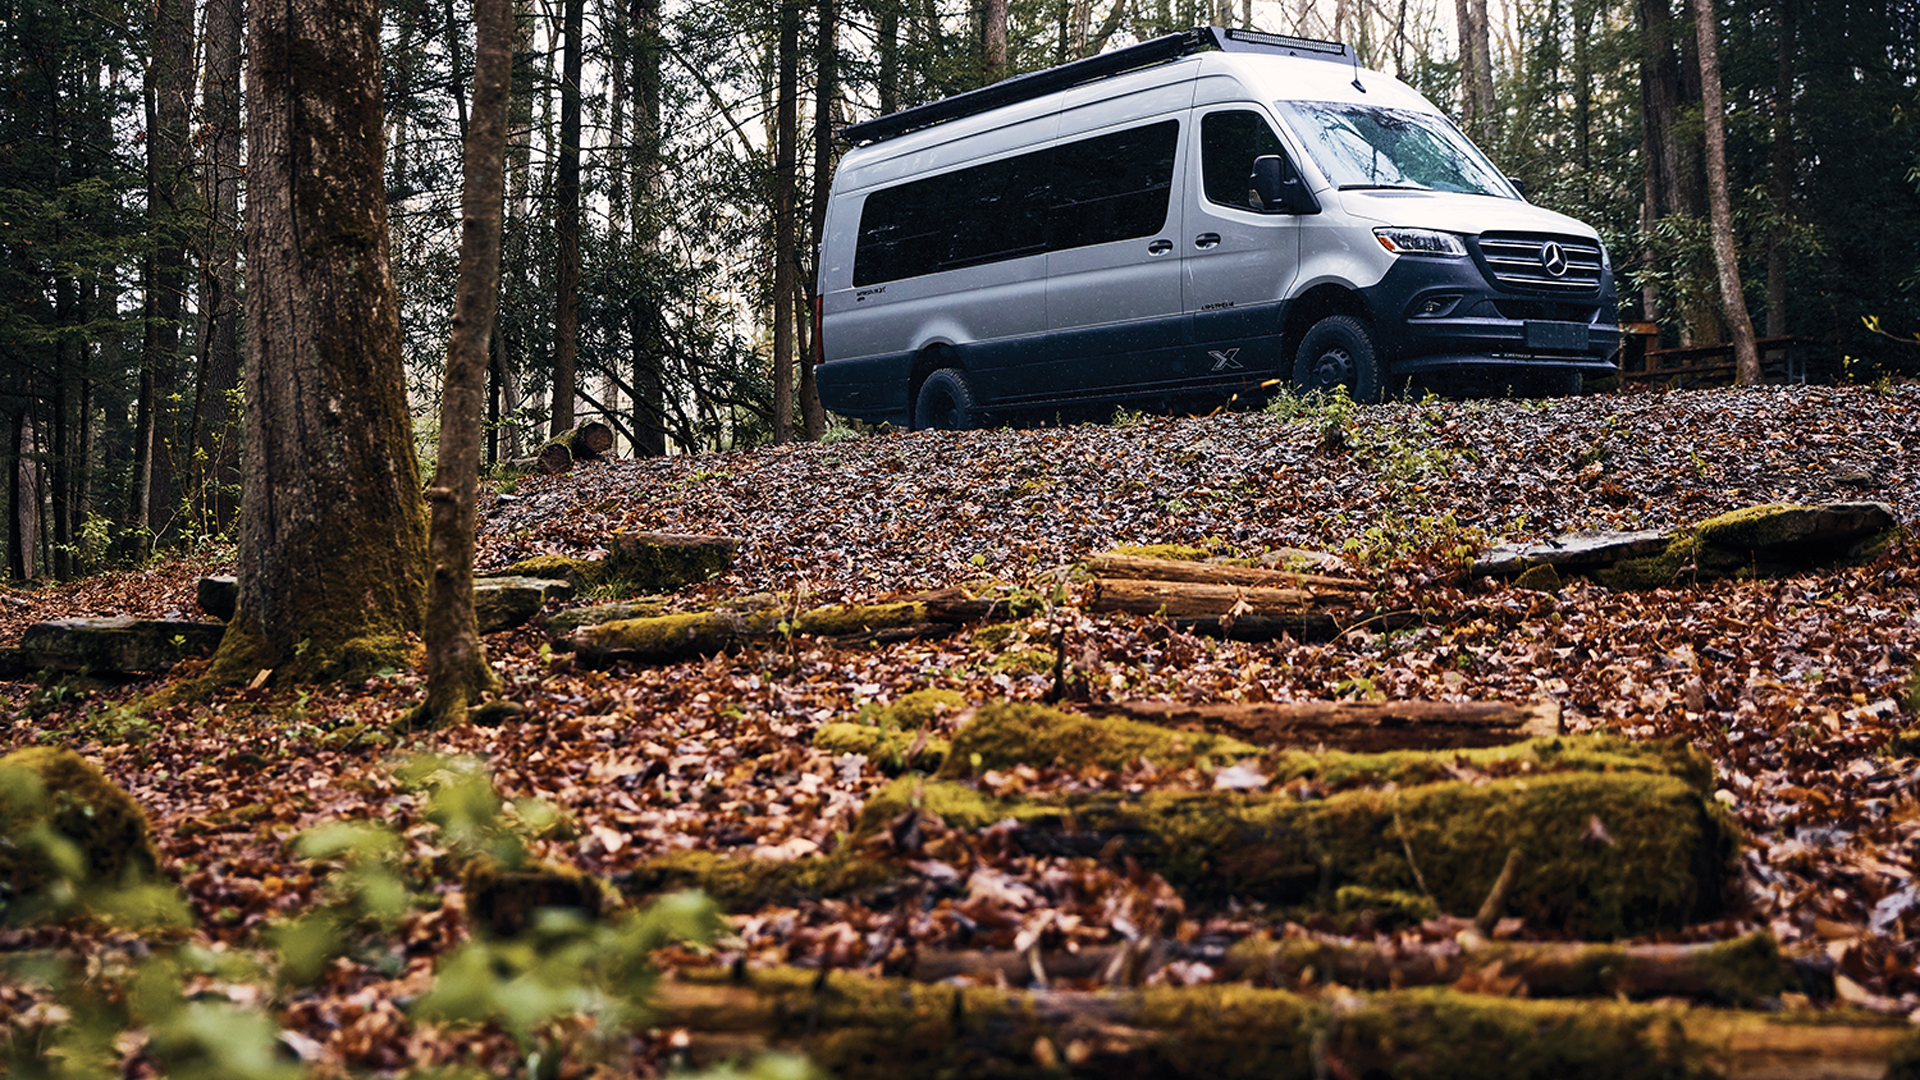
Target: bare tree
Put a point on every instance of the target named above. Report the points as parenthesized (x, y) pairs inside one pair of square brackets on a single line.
[(1726, 260), (566, 322), (457, 669), (786, 175)]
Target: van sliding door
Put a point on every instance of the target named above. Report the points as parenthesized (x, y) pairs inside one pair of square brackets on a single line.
[(1113, 261)]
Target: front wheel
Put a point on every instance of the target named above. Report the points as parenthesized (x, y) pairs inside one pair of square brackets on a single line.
[(945, 402), (1339, 351)]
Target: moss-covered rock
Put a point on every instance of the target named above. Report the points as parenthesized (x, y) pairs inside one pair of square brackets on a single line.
[(915, 710), (658, 562), (1667, 860), (746, 884), (55, 807), (118, 643), (1340, 770), (886, 748), (504, 602), (580, 573), (1017, 733), (1542, 578), (503, 901), (1756, 540)]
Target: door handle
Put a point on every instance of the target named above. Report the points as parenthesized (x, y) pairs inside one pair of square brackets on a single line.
[(1207, 240), (1159, 247)]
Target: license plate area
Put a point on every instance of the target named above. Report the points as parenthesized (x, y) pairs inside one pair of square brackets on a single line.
[(1557, 336)]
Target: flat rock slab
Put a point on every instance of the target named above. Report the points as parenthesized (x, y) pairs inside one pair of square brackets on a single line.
[(501, 603), (120, 644), (218, 596), (1571, 552), (660, 562)]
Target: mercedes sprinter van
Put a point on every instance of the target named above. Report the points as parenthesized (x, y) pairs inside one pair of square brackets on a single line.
[(1206, 213)]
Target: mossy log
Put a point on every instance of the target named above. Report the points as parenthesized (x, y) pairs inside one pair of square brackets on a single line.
[(1004, 735), (661, 562), (703, 633), (501, 603), (961, 604), (583, 442), (891, 750), (1361, 726), (1740, 972), (49, 794), (119, 644), (1253, 613), (857, 1028), (217, 595), (1133, 567), (561, 625), (1667, 860)]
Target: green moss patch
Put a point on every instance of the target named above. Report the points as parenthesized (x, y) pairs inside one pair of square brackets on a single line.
[(58, 808), (747, 884), (1016, 733), (580, 573), (1179, 552), (847, 620), (1667, 858), (886, 748)]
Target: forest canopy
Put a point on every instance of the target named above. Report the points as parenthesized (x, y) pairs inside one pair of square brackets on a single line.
[(664, 194)]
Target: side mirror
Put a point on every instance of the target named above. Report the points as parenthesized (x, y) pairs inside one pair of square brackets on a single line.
[(1519, 185), (1273, 188)]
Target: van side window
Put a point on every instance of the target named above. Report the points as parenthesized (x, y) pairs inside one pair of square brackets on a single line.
[(970, 216), (1109, 187), (1113, 187), (1229, 141)]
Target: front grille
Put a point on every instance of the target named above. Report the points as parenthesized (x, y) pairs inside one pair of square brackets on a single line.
[(1522, 261)]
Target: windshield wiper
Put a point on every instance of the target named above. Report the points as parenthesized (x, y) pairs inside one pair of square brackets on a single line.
[(1383, 187)]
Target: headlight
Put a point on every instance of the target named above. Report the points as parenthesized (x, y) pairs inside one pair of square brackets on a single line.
[(1421, 242)]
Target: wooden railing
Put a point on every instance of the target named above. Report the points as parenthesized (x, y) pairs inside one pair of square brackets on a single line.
[(1644, 364)]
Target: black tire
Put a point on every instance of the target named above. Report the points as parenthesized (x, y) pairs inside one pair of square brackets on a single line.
[(1558, 384), (1339, 351), (945, 403)]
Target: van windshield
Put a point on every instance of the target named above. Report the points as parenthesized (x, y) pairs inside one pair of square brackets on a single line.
[(1372, 146)]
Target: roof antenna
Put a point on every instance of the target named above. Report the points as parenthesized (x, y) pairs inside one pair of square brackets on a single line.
[(1354, 55)]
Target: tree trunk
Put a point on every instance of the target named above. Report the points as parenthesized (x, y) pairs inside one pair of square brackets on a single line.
[(813, 416), (457, 670), (332, 559), (169, 88), (1726, 260), (888, 18), (216, 440), (566, 323), (993, 41), (785, 181), (1780, 180), (645, 316), (23, 500)]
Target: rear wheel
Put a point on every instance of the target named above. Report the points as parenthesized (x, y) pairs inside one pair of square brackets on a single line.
[(1339, 351), (945, 402)]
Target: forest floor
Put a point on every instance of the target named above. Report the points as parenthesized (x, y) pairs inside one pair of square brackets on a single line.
[(1801, 691)]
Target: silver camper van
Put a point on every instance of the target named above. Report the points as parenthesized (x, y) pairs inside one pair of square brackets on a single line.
[(1198, 215)]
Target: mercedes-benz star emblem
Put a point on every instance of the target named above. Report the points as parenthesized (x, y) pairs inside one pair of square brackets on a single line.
[(1553, 259)]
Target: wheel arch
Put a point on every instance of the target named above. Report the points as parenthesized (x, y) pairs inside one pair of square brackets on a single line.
[(1315, 304)]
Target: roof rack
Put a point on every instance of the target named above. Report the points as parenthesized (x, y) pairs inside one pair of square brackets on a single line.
[(1149, 53), (1156, 51)]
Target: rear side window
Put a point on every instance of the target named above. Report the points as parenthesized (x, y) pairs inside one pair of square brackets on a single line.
[(1110, 187), (1113, 187), (1229, 142)]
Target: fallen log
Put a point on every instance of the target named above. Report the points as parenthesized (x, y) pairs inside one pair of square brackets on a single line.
[(1668, 861), (582, 442), (1741, 972), (1136, 568), (703, 633), (1241, 612), (856, 1028), (1359, 726)]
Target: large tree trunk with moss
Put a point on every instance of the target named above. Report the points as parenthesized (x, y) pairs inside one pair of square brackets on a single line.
[(457, 670), (333, 539)]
